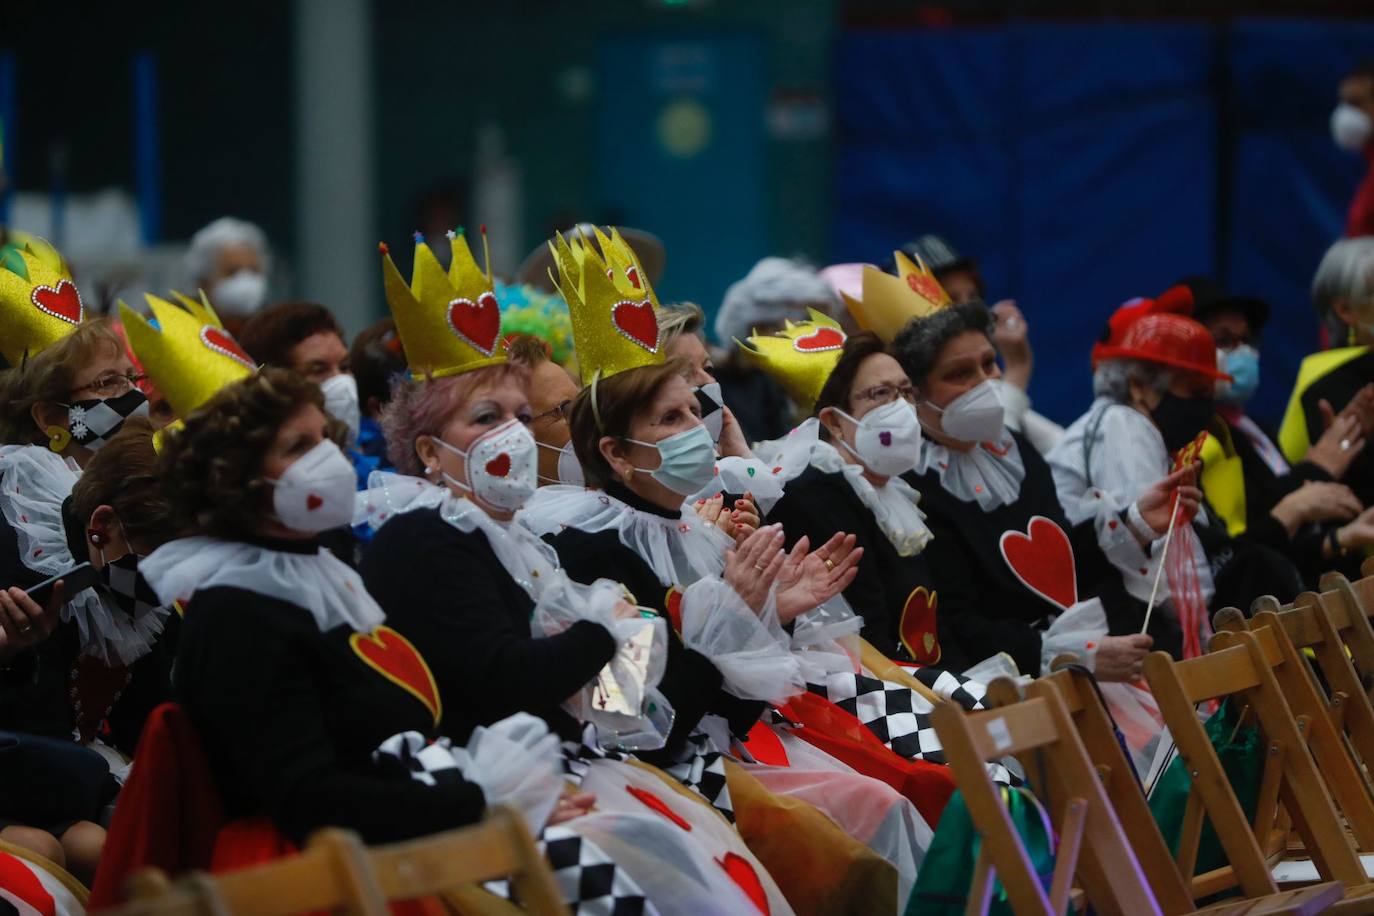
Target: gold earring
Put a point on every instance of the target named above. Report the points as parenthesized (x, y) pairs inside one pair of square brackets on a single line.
[(629, 475), (59, 437)]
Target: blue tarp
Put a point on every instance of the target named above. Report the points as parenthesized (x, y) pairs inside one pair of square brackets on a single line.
[(1087, 164)]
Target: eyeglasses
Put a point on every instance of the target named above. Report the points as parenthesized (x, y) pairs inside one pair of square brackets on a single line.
[(560, 412), (113, 384), (886, 394)]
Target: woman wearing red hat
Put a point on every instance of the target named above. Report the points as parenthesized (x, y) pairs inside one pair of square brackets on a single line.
[(1155, 397)]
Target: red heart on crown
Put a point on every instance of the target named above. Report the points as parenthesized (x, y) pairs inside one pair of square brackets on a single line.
[(1042, 559), (743, 874), (918, 626), (499, 466), (219, 340), (391, 655), (313, 502), (925, 287), (60, 301), (658, 806), (636, 323), (477, 323), (819, 339)]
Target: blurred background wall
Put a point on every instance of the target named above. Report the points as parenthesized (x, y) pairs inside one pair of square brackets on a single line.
[(1085, 152)]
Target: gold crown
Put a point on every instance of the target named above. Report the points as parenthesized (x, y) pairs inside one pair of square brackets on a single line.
[(39, 303), (449, 323), (612, 305), (889, 302), (188, 355), (800, 357)]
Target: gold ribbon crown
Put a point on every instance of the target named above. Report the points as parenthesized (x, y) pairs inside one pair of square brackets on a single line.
[(188, 354), (39, 303), (449, 323), (889, 302), (800, 357), (612, 306)]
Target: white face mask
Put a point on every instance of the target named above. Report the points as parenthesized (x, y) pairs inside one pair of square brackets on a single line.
[(569, 468), (712, 408), (1350, 127), (341, 402), (977, 415), (317, 491), (888, 439), (502, 466), (241, 293)]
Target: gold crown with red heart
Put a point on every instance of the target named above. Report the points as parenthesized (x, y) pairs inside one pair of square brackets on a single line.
[(800, 357), (449, 321), (888, 302), (39, 303), (612, 306), (184, 350)]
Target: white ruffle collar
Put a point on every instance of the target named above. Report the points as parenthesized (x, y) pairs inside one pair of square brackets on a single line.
[(679, 550), (990, 477), (34, 482), (321, 583), (894, 504), (529, 560)]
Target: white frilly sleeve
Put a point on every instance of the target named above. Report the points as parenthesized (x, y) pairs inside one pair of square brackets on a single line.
[(755, 662), (1076, 632)]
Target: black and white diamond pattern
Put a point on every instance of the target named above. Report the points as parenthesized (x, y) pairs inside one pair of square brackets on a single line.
[(704, 774), (589, 882), (130, 591), (411, 753)]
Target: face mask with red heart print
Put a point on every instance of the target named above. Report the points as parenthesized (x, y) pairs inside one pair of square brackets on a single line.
[(502, 466), (317, 491)]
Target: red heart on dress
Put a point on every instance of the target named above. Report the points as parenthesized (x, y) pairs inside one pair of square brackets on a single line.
[(313, 502), (60, 301), (765, 746), (658, 806), (672, 602), (218, 339), (477, 323), (391, 655), (925, 287), (499, 466), (1042, 559), (743, 874), (636, 323), (819, 339), (918, 626)]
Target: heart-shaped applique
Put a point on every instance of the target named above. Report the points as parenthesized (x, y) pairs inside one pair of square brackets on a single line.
[(636, 323), (478, 323), (313, 502), (925, 287), (672, 603), (218, 340), (1042, 558), (393, 657), (818, 340), (658, 806), (499, 466), (60, 301), (765, 746), (743, 874), (918, 626)]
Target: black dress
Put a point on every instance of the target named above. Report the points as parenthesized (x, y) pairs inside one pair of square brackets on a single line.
[(690, 683), (289, 717), (894, 594), (448, 593), (983, 607)]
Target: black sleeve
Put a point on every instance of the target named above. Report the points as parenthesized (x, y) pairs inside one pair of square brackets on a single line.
[(259, 710), (1303, 472), (440, 588)]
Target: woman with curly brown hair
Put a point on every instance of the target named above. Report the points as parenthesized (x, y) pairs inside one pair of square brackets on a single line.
[(285, 665)]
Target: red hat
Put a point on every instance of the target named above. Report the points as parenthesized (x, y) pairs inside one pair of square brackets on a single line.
[(1170, 340), (1176, 300)]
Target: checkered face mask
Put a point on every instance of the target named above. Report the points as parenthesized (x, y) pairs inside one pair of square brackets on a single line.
[(121, 580), (94, 421)]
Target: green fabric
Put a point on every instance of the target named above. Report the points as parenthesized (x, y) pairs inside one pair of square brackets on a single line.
[(1242, 760), (942, 885)]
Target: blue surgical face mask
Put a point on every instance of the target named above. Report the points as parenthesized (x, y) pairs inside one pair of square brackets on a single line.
[(686, 460), (1242, 364)]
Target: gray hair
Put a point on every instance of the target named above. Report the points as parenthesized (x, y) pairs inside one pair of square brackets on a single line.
[(1346, 273), (775, 289), (1113, 378), (223, 232), (917, 345)]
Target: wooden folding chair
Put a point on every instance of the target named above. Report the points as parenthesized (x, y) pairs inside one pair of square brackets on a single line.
[(1350, 605)]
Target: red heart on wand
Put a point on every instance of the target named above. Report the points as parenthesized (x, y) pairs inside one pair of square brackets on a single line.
[(1042, 559), (219, 341), (819, 339), (61, 301), (477, 323), (636, 322), (499, 466)]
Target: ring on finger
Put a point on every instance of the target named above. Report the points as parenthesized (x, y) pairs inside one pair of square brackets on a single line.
[(1345, 445), (829, 564), (26, 629), (760, 566)]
